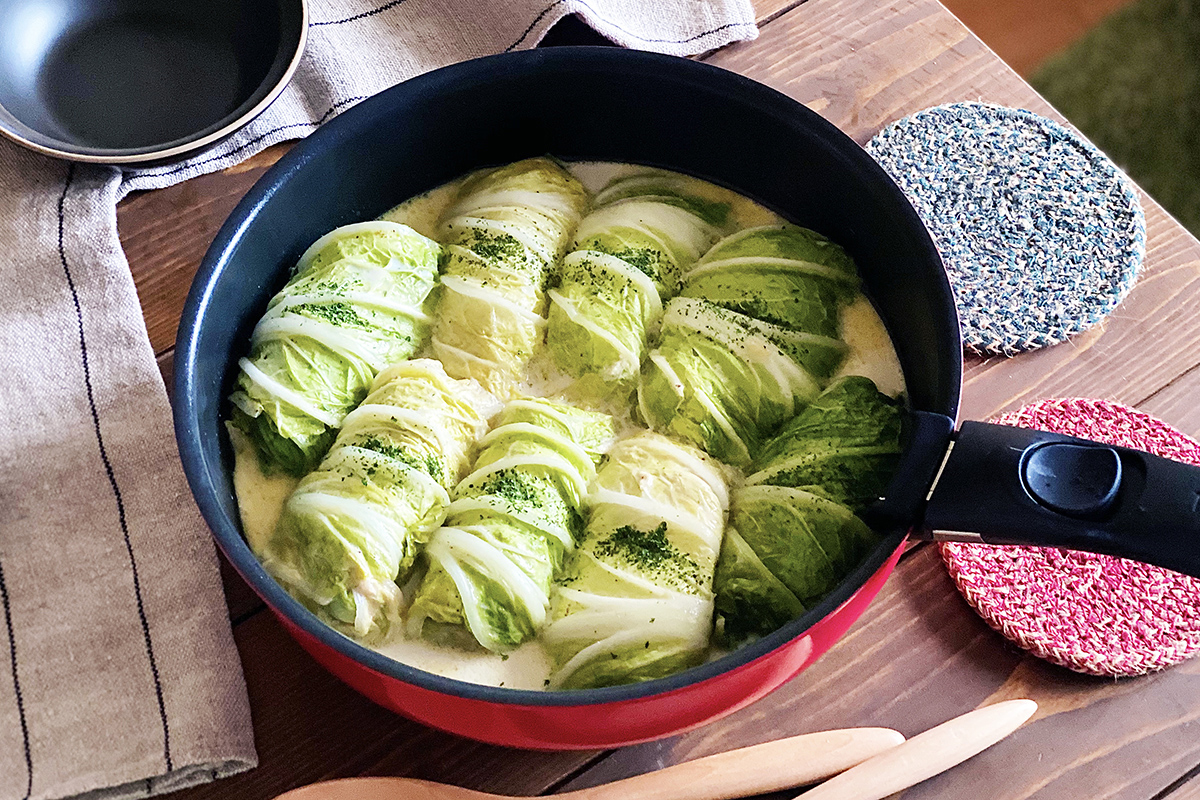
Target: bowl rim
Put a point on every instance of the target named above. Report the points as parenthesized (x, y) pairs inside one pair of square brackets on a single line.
[(17, 131), (227, 533)]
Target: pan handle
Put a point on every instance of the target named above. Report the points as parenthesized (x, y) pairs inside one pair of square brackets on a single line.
[(1005, 485)]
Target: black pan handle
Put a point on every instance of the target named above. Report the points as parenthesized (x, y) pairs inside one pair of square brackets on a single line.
[(1005, 485)]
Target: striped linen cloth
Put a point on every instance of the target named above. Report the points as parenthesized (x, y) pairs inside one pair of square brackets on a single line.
[(118, 672)]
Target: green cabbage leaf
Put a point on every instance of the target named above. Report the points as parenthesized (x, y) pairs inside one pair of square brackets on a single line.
[(793, 532), (782, 274), (628, 257), (718, 381), (782, 538), (352, 527), (635, 599), (502, 235), (847, 442), (356, 303), (750, 600), (510, 524)]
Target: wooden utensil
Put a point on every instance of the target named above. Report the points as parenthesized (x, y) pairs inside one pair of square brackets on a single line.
[(926, 754), (767, 767)]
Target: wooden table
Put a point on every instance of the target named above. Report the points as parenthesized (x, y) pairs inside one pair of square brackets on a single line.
[(919, 655)]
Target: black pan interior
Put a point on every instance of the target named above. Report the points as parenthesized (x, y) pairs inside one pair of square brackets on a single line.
[(130, 75), (578, 104)]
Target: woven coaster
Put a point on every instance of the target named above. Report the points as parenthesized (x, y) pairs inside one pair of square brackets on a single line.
[(1041, 234), (1094, 614)]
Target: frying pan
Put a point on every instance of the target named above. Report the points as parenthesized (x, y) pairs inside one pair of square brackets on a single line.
[(998, 484), (135, 81)]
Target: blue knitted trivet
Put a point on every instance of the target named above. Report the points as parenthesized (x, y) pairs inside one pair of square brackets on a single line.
[(1041, 234)]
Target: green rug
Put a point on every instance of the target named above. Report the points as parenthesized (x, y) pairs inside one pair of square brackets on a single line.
[(1132, 85)]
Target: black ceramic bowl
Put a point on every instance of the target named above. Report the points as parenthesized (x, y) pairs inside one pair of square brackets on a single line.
[(595, 104), (133, 81)]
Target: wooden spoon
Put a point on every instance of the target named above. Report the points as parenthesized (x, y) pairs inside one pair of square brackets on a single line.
[(767, 767), (926, 754)]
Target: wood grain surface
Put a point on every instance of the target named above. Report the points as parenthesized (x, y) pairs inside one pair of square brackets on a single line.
[(919, 656), (1188, 789)]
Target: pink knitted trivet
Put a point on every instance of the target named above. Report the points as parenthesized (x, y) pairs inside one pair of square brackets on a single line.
[(1090, 613)]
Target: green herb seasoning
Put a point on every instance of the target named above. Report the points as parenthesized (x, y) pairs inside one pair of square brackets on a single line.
[(496, 248), (652, 554), (341, 314), (645, 259), (430, 464), (508, 484)]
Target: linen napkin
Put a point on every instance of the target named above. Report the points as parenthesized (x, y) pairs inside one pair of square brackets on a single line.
[(118, 672)]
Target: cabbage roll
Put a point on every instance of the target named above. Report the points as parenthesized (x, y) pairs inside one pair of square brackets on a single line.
[(719, 381), (793, 532), (512, 520), (781, 538), (846, 443), (635, 601), (629, 254), (502, 235), (354, 305), (750, 600), (782, 274), (351, 528)]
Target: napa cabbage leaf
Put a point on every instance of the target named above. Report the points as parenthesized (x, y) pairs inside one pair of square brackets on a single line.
[(671, 188), (628, 257), (353, 526), (357, 301), (635, 600), (502, 235), (782, 274), (511, 521), (718, 381)]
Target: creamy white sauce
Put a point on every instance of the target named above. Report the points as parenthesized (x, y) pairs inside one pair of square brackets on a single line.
[(261, 497), (871, 352), (421, 213), (527, 667)]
